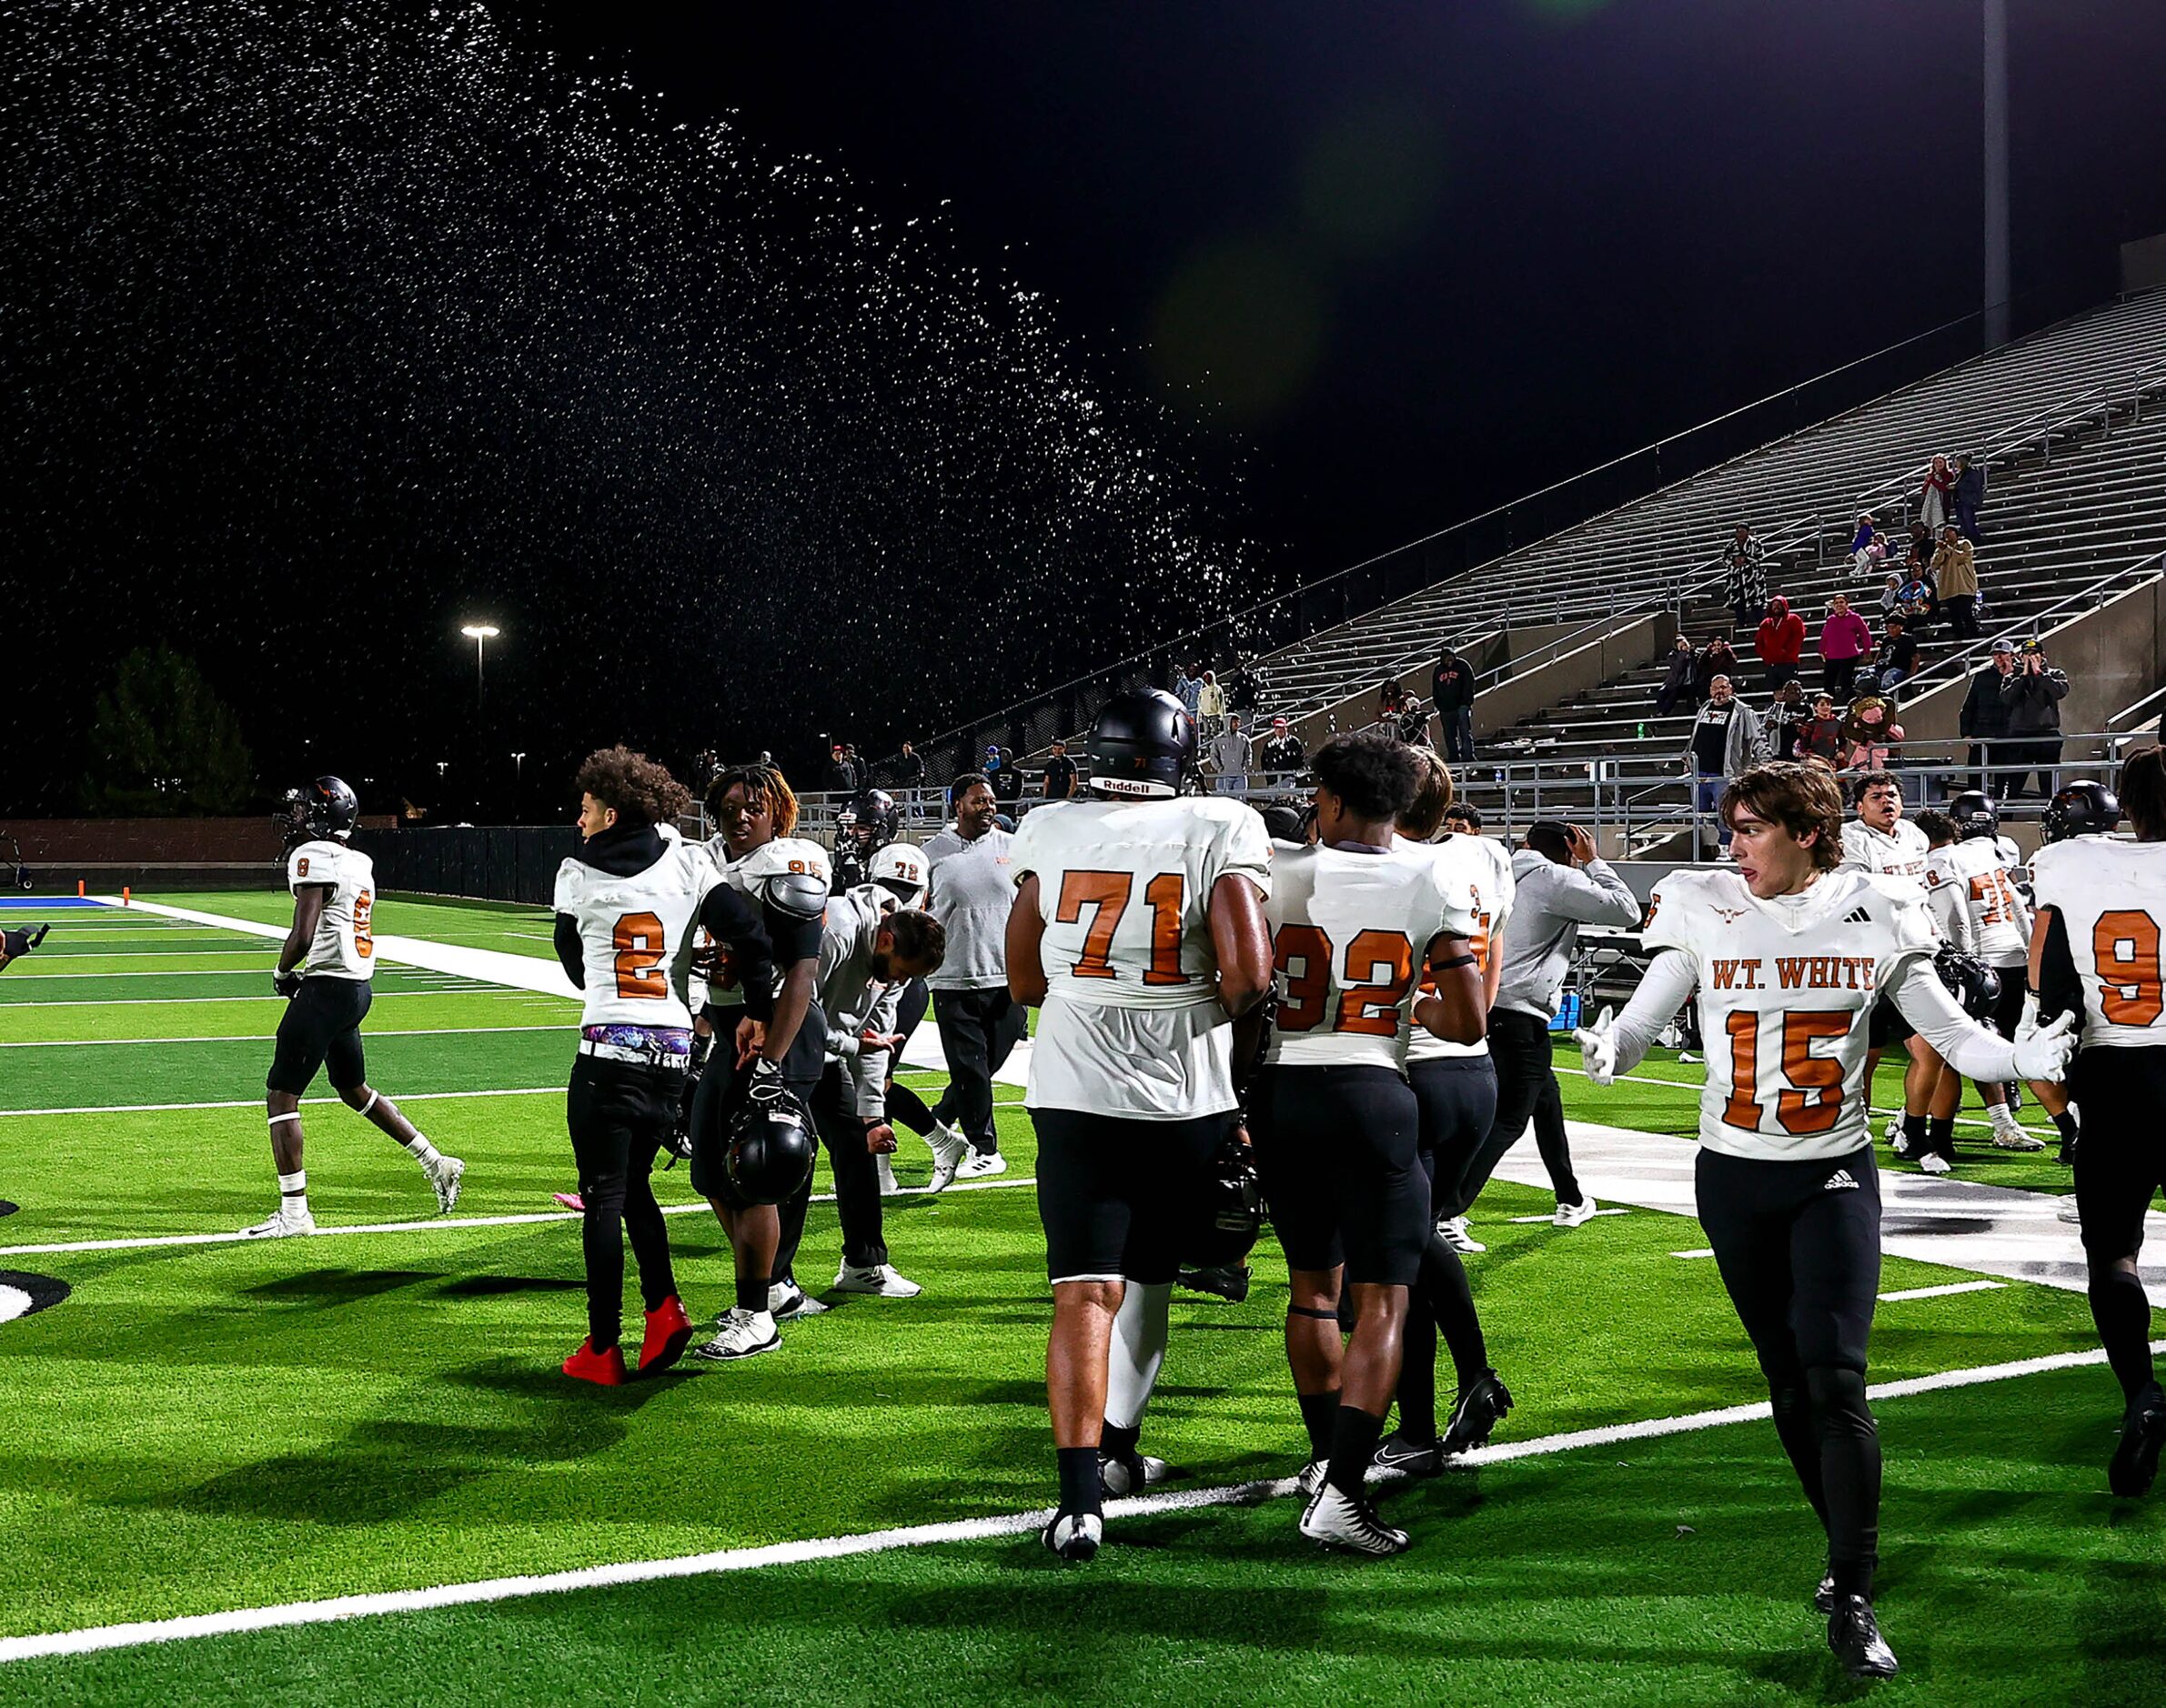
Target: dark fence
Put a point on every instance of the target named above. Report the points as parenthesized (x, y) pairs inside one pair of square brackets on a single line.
[(484, 862)]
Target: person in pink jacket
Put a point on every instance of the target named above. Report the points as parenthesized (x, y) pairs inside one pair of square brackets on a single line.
[(1843, 640), (1780, 642)]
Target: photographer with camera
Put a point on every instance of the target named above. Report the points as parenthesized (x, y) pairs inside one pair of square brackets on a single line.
[(2032, 696)]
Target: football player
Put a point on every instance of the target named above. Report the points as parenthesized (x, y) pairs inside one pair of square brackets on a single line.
[(19, 943), (1791, 956), (777, 1063), (867, 824), (626, 905), (971, 890), (1880, 840), (1454, 1087), (2096, 953), (324, 971), (1337, 1125), (1138, 931), (899, 869), (1980, 910), (867, 947)]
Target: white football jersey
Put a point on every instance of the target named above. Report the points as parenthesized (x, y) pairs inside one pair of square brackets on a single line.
[(1787, 988), (1898, 853), (748, 877), (1348, 935), (2111, 897), (634, 931), (1995, 924), (1131, 1024), (343, 946), (1479, 872)]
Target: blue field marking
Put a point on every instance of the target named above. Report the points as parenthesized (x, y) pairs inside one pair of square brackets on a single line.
[(51, 904)]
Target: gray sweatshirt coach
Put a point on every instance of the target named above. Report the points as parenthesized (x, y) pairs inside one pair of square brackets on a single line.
[(1550, 904), (972, 888)]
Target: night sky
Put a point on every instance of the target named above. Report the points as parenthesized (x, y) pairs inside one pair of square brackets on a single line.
[(328, 333)]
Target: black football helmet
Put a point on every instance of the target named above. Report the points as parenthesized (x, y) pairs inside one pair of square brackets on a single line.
[(770, 1152), (874, 819), (1975, 814), (326, 807), (1142, 744), (1230, 1206), (1975, 986), (2082, 809)]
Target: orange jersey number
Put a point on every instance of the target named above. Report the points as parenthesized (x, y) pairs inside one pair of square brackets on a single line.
[(1379, 970), (2125, 945), (1107, 894), (364, 939), (1796, 1110), (641, 951)]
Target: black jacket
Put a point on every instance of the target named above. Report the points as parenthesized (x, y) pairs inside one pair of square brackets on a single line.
[(1984, 717), (1451, 685), (1677, 677), (2032, 703)]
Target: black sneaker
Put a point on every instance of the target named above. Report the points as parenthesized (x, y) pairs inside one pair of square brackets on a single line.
[(1074, 1537), (1417, 1456), (1229, 1282), (1476, 1415), (2135, 1462), (1855, 1636)]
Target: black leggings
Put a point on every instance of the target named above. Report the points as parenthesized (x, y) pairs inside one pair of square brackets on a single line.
[(1798, 1245), (620, 1113), (1526, 1090), (2120, 1167), (1457, 1095), (905, 1106)]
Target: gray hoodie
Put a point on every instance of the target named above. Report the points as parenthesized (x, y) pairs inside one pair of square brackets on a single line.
[(1552, 903)]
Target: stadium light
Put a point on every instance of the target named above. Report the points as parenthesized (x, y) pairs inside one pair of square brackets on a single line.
[(481, 634)]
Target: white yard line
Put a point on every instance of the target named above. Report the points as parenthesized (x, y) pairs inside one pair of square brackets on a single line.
[(117, 1002), (264, 1038), (238, 1621), (256, 1102), (1943, 1293)]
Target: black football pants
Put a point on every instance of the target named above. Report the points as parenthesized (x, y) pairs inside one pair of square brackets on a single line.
[(857, 1177), (978, 1030), (1525, 1091), (620, 1113)]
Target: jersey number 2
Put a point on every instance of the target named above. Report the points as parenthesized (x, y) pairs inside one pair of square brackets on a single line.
[(1794, 1112), (1106, 894), (639, 953)]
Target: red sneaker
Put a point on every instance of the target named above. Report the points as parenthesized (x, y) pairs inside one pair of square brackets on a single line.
[(604, 1369), (668, 1333)]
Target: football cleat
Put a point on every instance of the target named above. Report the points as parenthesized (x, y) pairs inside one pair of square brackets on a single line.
[(1228, 1282), (1477, 1414), (787, 1302), (1452, 1231), (1309, 1482), (981, 1165), (1413, 1454), (949, 1149), (570, 1200), (1128, 1473), (743, 1334), (1823, 1598), (1074, 1537), (1855, 1636), (282, 1226), (1933, 1163), (2135, 1462), (445, 1174), (1347, 1524), (1575, 1215), (668, 1333), (604, 1368), (1893, 1132), (877, 1280), (2008, 1136)]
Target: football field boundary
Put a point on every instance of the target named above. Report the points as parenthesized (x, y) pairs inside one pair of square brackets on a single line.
[(334, 1610)]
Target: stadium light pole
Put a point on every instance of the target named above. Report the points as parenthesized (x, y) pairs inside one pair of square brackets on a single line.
[(481, 634), (1998, 279)]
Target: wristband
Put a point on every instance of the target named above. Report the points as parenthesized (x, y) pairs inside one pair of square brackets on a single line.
[(1446, 966)]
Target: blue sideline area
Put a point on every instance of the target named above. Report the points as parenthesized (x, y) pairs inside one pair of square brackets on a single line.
[(51, 904)]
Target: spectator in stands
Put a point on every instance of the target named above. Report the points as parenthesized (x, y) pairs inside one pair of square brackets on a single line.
[(1787, 715), (1821, 737), (1755, 554), (2032, 693), (1983, 721), (1391, 700), (1780, 642), (1677, 682), (1414, 722), (1726, 740), (1969, 493), (910, 777), (1280, 755), (842, 775), (1231, 757), (1188, 687), (1955, 579), (1717, 658), (1211, 706), (1451, 688), (1933, 495), (1920, 604), (1241, 689), (1843, 640), (1745, 585), (1868, 550), (1898, 655), (1060, 773), (1892, 596)]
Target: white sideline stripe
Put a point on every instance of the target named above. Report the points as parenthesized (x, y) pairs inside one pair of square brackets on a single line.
[(1941, 1292), (182, 953), (1705, 1251), (444, 1224), (124, 1002), (256, 1102), (264, 1038), (1552, 1217), (1693, 1087), (238, 1621)]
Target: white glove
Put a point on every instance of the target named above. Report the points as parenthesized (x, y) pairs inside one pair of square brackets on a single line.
[(1597, 1049), (2044, 1052)]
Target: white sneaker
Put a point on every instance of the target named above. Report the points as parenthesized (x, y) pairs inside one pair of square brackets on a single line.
[(1687, 1059), (982, 1165), (884, 1170), (949, 1148), (1451, 1230), (1117, 1477), (282, 1226), (2008, 1136), (2066, 1209), (1893, 1132), (1575, 1215), (787, 1302), (743, 1334), (1349, 1523), (1933, 1163), (445, 1174), (879, 1280)]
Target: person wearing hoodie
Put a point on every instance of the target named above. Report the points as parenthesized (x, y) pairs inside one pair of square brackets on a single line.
[(1780, 642), (1821, 737), (1969, 493), (1726, 740), (1677, 678), (1717, 658), (1844, 638), (1955, 577)]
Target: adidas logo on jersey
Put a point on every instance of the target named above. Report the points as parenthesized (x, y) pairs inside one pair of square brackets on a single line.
[(1841, 1182), (1856, 916)]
